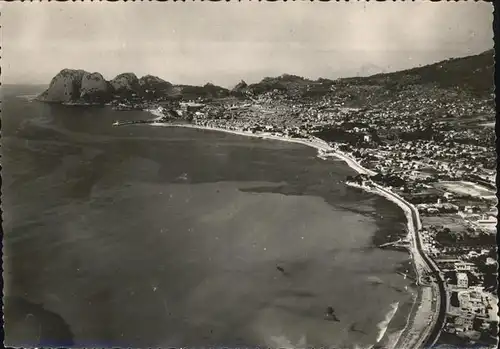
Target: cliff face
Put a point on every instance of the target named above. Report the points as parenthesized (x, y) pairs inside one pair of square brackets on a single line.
[(64, 87), (95, 88), (80, 86), (71, 85), (125, 83)]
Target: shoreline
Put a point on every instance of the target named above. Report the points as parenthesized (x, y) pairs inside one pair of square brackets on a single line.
[(418, 312), (316, 143)]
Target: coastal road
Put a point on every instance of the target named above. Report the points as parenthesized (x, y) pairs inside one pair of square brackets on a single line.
[(429, 330), (430, 315), (439, 322), (424, 264)]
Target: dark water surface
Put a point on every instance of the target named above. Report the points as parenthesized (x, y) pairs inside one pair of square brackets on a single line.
[(150, 236)]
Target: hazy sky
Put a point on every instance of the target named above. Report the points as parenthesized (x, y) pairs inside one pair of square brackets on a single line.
[(222, 43)]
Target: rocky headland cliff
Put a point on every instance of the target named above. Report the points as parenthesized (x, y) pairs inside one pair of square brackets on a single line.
[(76, 86), (64, 87)]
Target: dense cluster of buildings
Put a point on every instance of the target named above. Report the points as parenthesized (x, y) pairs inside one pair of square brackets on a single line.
[(472, 308)]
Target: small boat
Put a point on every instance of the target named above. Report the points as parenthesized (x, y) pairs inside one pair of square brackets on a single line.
[(330, 315)]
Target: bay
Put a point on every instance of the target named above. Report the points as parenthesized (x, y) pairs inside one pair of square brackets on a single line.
[(146, 236)]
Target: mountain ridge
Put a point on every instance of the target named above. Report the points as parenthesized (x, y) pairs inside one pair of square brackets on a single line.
[(471, 74)]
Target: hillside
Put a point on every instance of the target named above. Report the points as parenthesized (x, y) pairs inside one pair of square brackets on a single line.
[(208, 91), (473, 74)]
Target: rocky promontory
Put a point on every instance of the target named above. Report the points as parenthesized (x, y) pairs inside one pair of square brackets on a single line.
[(64, 87), (77, 86)]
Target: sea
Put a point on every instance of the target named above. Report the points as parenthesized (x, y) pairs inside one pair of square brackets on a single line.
[(141, 236)]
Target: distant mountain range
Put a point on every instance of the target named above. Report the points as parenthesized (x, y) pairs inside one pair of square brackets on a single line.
[(473, 74)]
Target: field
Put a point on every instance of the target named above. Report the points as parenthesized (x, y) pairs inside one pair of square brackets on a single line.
[(452, 221), (465, 188)]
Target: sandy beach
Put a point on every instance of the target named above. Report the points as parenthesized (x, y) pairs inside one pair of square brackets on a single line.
[(424, 315)]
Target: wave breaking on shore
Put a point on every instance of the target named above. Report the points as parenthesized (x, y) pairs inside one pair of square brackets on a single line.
[(384, 324)]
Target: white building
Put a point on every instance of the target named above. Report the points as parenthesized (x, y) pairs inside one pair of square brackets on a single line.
[(472, 254), (490, 261), (489, 223), (464, 300), (463, 266), (464, 323), (462, 280)]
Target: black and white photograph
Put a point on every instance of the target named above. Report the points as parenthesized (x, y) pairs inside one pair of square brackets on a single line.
[(249, 174)]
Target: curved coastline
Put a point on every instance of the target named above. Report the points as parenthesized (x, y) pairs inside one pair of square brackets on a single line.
[(423, 316)]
